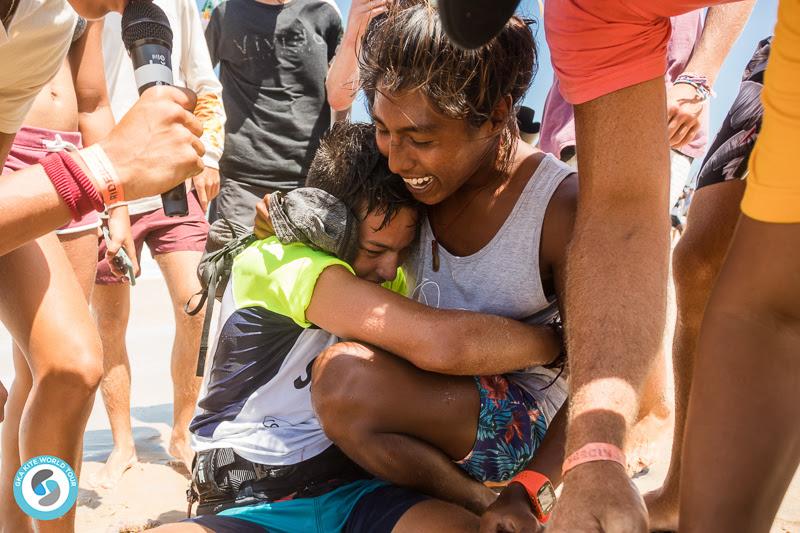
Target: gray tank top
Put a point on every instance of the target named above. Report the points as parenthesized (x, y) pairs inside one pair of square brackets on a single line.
[(503, 277)]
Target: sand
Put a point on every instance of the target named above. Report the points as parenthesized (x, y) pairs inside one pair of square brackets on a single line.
[(153, 492)]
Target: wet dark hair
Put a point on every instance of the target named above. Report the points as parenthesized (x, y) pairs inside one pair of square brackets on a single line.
[(408, 50), (349, 165)]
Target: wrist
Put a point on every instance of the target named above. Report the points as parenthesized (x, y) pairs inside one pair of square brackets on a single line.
[(594, 452), (539, 490)]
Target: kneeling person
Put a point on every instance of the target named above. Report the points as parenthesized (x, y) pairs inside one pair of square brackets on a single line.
[(264, 462)]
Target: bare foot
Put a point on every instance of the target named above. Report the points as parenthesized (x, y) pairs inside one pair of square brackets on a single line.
[(180, 449), (662, 508), (649, 440), (119, 462)]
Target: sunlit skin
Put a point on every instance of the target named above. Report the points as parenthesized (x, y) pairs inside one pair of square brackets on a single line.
[(382, 251)]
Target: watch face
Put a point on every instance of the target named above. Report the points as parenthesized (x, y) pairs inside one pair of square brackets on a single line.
[(546, 497)]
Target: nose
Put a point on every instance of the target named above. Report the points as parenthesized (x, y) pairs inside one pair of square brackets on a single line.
[(387, 269), (400, 161)]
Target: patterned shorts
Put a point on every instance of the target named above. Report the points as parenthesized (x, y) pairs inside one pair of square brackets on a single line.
[(510, 429)]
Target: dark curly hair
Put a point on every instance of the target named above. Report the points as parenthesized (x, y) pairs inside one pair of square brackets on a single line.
[(349, 165), (407, 50)]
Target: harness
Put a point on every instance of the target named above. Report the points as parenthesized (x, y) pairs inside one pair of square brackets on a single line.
[(222, 479)]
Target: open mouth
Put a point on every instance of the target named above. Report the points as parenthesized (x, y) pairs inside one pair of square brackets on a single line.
[(418, 184)]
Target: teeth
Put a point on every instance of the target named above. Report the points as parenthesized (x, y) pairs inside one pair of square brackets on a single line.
[(418, 182)]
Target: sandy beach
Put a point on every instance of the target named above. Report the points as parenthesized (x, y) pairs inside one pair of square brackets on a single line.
[(153, 492)]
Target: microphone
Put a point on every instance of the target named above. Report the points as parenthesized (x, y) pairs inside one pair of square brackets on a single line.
[(148, 40)]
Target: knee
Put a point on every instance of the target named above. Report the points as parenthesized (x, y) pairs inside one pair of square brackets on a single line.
[(340, 390), (75, 366), (694, 269)]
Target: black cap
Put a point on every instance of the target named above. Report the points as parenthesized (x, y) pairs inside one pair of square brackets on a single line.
[(473, 23), (525, 117)]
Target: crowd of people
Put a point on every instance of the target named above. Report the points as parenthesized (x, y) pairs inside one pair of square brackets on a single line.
[(427, 322)]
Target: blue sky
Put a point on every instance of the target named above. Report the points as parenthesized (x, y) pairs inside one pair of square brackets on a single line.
[(760, 25)]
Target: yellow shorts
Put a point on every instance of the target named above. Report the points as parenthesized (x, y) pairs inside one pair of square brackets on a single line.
[(773, 183)]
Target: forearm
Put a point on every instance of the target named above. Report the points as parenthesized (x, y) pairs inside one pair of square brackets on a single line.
[(617, 262), (95, 124), (342, 80), (722, 27)]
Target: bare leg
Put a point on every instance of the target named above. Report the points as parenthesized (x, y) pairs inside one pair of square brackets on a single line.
[(697, 260), (81, 251), (39, 290), (14, 520), (436, 516), (179, 270), (648, 435), (742, 443), (112, 309), (403, 424)]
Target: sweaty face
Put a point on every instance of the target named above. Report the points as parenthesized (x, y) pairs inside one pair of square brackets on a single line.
[(382, 251), (434, 154)]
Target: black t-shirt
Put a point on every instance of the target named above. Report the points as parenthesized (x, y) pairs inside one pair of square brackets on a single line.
[(273, 63)]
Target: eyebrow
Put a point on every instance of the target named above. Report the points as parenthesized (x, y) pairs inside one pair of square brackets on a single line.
[(378, 245), (418, 128)]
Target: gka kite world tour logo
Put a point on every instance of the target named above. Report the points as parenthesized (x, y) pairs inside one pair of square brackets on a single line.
[(45, 487)]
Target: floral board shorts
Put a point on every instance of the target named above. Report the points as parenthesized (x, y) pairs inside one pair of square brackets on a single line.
[(510, 429)]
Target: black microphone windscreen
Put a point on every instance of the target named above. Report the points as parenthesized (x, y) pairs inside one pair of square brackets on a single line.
[(143, 19)]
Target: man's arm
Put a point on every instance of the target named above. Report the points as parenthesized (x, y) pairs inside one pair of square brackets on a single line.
[(199, 77), (30, 205), (722, 27), (95, 119), (342, 80), (619, 258), (439, 340)]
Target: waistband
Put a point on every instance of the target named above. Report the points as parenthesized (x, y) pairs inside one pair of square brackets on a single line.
[(31, 137)]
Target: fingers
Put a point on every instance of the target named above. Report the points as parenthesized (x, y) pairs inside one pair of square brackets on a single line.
[(685, 134), (182, 96), (263, 225), (202, 195), (676, 120)]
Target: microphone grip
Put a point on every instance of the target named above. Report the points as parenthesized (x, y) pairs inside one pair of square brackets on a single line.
[(175, 202)]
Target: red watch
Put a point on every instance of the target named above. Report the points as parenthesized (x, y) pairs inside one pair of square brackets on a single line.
[(540, 491)]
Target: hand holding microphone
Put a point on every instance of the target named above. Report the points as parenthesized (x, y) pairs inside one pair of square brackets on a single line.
[(148, 38)]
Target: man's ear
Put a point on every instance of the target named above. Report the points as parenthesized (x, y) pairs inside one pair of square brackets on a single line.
[(499, 116)]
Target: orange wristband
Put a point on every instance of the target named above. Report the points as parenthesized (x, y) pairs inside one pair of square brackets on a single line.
[(594, 451), (104, 174)]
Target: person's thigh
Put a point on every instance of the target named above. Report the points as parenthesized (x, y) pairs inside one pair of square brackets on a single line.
[(237, 202), (709, 227), (391, 395), (81, 250), (749, 344), (44, 308), (393, 509)]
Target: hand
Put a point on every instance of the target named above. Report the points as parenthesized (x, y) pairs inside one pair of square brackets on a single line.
[(207, 186), (684, 108), (599, 497), (361, 12), (119, 230), (511, 512), (263, 225), (157, 144)]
